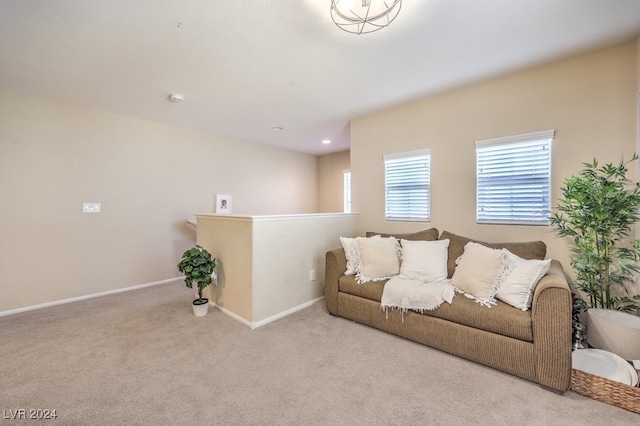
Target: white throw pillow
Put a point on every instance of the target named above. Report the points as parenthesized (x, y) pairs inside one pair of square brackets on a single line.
[(352, 254), (517, 287), (424, 260), (479, 272), (380, 259)]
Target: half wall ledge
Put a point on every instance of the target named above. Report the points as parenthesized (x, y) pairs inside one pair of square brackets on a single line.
[(265, 262)]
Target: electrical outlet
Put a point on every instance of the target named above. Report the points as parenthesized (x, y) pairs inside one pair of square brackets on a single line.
[(312, 275), (91, 207)]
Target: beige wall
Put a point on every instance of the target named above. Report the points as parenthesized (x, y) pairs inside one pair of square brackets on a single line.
[(330, 183), (229, 239), (285, 251), (590, 100), (149, 178)]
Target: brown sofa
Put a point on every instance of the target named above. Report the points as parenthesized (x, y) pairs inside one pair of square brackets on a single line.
[(533, 344)]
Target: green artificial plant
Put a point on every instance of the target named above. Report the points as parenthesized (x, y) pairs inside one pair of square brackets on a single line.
[(197, 266), (597, 210)]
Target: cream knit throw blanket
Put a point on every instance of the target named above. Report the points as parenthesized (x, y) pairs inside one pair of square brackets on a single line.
[(404, 294)]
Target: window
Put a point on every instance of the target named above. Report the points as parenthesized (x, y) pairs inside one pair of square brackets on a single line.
[(407, 186), (513, 179), (346, 182)]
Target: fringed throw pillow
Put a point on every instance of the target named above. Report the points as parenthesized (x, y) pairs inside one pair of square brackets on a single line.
[(352, 253), (479, 272), (380, 259), (518, 285)]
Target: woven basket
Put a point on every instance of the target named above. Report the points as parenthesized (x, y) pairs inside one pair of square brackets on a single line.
[(605, 390)]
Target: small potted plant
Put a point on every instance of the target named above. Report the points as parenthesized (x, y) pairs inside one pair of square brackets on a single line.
[(197, 266)]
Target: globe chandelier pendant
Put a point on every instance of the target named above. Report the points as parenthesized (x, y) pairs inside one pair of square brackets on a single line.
[(364, 16)]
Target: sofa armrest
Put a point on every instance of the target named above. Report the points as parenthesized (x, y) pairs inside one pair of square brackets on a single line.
[(335, 267), (551, 318)]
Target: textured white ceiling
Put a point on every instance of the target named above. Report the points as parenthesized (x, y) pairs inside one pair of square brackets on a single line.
[(245, 66)]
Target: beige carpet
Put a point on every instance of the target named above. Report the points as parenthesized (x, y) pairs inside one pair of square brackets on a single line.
[(142, 358)]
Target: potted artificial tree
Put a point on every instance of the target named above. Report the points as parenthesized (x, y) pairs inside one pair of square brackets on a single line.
[(597, 210), (197, 266)]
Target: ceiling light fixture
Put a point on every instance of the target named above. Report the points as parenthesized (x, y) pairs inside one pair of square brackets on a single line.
[(364, 16), (176, 97), (326, 141)]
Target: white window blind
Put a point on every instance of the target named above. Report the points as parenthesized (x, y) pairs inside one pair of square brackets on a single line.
[(346, 180), (514, 179), (407, 186)]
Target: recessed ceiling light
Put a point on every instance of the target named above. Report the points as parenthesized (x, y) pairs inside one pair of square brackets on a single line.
[(176, 97), (277, 128), (326, 141)]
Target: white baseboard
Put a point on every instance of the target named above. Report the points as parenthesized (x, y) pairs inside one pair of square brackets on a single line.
[(232, 315), (272, 318), (244, 321), (88, 296)]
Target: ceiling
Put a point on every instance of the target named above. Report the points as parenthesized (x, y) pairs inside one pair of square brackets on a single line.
[(247, 66)]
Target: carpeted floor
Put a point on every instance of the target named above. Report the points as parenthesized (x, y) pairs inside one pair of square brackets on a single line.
[(142, 358)]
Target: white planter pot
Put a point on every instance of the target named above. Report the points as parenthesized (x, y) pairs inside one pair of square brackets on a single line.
[(200, 307), (614, 331)]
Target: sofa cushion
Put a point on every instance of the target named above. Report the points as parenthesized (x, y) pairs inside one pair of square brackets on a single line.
[(526, 250), (425, 235), (501, 318), (372, 290)]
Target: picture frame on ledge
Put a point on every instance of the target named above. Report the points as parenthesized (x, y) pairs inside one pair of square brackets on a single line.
[(223, 204)]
